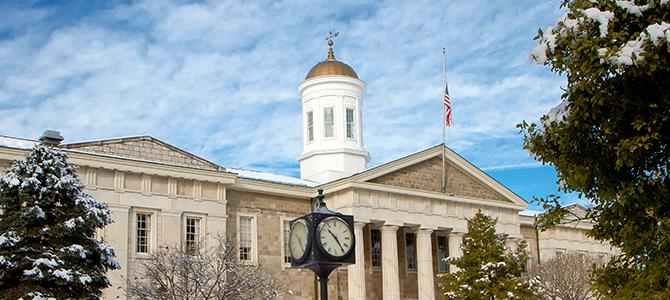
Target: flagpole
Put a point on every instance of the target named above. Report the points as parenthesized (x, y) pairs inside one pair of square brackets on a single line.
[(444, 122)]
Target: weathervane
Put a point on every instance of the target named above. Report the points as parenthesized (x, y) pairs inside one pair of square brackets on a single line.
[(329, 38)]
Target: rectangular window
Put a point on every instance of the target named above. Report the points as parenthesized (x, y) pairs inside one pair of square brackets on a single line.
[(442, 254), (310, 126), (328, 122), (410, 251), (246, 238), (560, 252), (143, 223), (350, 123), (192, 234), (287, 251), (376, 247)]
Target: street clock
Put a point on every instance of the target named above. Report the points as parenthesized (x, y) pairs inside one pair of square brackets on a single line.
[(322, 241)]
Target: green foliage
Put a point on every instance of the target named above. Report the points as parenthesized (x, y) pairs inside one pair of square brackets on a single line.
[(487, 269), (611, 145), (48, 248)]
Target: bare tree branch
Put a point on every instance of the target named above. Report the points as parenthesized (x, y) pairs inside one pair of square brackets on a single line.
[(173, 273), (567, 276)]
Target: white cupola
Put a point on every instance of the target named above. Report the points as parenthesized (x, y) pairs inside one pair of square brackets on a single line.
[(332, 98)]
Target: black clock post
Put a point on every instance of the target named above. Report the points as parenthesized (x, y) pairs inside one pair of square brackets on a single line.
[(322, 241)]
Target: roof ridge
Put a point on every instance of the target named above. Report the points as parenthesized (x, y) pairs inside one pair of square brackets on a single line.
[(18, 138)]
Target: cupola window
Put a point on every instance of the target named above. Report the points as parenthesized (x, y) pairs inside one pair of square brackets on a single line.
[(328, 122), (310, 126), (351, 126)]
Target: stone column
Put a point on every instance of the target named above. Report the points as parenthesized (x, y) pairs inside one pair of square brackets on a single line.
[(390, 275), (455, 241), (512, 243), (425, 264), (356, 272)]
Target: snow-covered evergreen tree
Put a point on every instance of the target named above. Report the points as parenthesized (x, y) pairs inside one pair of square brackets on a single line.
[(48, 247), (608, 138), (488, 269)]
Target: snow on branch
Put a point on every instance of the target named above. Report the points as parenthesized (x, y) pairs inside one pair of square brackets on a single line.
[(633, 51), (567, 24), (558, 114), (576, 24), (632, 8), (603, 18)]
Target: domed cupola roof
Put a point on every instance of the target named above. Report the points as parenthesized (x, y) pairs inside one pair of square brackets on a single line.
[(331, 66)]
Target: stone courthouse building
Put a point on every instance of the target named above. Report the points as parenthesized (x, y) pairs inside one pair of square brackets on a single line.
[(405, 224)]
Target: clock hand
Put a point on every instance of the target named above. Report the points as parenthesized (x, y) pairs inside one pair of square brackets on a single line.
[(300, 244), (336, 239)]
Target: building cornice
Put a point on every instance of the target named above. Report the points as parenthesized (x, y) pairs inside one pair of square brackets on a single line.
[(419, 193), (250, 185), (574, 224), (335, 151), (331, 79), (95, 160)]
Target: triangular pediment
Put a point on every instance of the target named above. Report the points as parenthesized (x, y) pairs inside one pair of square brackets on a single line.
[(144, 148), (426, 176), (423, 171)]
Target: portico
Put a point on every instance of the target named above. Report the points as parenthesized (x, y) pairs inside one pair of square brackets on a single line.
[(408, 227), (394, 260)]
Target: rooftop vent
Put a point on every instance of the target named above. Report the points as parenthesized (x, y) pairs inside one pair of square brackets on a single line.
[(51, 138)]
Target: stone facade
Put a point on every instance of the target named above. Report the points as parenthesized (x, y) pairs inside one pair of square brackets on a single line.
[(426, 176), (403, 196), (269, 212)]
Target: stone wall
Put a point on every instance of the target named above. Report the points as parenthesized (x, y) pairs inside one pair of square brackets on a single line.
[(530, 236), (269, 212), (143, 148), (426, 176), (566, 238)]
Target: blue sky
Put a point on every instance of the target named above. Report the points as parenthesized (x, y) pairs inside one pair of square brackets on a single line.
[(219, 78)]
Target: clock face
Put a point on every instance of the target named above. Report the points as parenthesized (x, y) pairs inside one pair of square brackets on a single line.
[(298, 240), (334, 237)]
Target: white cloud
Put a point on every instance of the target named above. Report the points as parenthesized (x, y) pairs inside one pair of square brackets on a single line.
[(220, 78)]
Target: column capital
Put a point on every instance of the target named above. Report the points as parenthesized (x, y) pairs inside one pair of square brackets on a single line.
[(393, 228), (424, 231), (359, 224)]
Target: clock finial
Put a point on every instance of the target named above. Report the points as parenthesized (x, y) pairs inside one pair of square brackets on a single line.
[(319, 201)]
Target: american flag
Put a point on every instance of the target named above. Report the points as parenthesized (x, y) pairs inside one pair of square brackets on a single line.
[(447, 106)]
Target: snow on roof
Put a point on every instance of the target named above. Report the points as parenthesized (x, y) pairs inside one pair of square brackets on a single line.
[(530, 213), (269, 177), (12, 142)]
